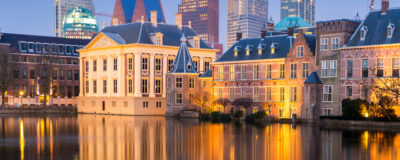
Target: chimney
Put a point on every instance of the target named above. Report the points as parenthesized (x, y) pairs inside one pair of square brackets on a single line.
[(179, 20), (290, 31), (142, 21), (154, 18), (385, 6), (238, 36), (190, 24), (263, 33)]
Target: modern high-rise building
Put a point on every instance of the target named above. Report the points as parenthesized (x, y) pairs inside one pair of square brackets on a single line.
[(61, 8), (299, 8), (247, 17), (204, 18), (129, 11), (80, 23)]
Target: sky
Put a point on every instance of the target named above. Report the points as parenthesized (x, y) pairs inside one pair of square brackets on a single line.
[(36, 17)]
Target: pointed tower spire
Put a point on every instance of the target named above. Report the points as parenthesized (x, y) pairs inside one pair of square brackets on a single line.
[(139, 11), (183, 62)]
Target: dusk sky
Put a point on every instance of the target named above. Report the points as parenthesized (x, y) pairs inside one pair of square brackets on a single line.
[(37, 16)]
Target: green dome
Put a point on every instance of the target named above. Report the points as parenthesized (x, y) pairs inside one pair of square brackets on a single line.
[(80, 23), (289, 22)]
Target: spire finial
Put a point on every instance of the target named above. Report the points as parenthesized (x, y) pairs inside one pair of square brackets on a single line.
[(183, 38)]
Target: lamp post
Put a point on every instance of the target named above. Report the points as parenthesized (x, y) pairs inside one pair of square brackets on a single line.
[(21, 93)]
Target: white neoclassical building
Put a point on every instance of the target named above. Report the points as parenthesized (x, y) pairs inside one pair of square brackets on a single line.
[(123, 69)]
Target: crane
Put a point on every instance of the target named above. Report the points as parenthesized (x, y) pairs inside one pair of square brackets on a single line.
[(103, 14)]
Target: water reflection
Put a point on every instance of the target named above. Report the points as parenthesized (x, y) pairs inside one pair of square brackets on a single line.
[(94, 137)]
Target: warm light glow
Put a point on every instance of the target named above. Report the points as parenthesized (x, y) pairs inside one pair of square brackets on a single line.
[(21, 93), (21, 138), (366, 115)]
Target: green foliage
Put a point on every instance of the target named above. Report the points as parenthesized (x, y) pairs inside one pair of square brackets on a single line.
[(256, 116), (353, 108), (215, 116)]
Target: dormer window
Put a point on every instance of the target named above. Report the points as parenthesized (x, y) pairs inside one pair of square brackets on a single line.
[(236, 51), (196, 42), (23, 46), (259, 50), (38, 48), (31, 47), (189, 67), (157, 38), (272, 48), (390, 30), (363, 32), (248, 49)]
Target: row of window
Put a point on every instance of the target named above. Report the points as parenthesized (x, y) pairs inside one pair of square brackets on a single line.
[(144, 88), (37, 47), (256, 95), (389, 31), (56, 74), (56, 91), (34, 59), (144, 63), (256, 71), (365, 69), (179, 83), (324, 43)]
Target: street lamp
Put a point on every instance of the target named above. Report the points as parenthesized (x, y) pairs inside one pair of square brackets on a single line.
[(21, 93)]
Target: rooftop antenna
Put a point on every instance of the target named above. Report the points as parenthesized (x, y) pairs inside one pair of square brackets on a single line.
[(357, 18)]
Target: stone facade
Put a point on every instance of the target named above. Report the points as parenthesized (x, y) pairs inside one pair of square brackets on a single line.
[(332, 35)]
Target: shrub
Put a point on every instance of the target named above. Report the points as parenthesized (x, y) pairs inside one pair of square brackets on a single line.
[(353, 108), (238, 114), (256, 116), (215, 116)]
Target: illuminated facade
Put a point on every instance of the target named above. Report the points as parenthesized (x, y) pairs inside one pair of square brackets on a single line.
[(61, 7), (203, 16), (270, 71), (80, 23), (299, 8), (26, 51), (248, 17), (129, 11), (124, 68)]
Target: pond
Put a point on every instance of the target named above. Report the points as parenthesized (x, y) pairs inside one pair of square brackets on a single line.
[(96, 137)]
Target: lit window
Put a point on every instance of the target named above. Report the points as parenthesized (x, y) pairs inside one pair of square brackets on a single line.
[(220, 72), (390, 30), (293, 94), (130, 64), (282, 94), (282, 71), (268, 94), (158, 86), (191, 82), (269, 71), (293, 70), (304, 73), (231, 72), (300, 51)]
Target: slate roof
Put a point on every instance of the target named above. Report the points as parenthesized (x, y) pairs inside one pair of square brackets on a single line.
[(313, 79), (128, 7), (16, 40), (140, 33), (311, 41), (207, 74), (289, 22), (282, 44), (183, 62), (377, 24)]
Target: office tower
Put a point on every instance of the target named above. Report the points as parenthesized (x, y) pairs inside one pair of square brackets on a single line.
[(61, 9), (299, 8), (203, 16), (128, 11), (248, 17)]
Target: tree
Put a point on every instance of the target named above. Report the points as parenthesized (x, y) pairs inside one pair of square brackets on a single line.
[(45, 67), (223, 102), (6, 70), (202, 99), (353, 108), (243, 102), (384, 108)]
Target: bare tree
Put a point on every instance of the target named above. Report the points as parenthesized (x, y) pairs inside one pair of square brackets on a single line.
[(243, 102), (202, 99), (223, 102), (6, 70), (45, 68)]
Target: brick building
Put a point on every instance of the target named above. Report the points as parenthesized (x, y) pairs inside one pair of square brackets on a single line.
[(332, 35), (26, 51), (270, 71)]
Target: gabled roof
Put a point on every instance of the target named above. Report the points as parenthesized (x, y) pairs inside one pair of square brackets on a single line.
[(140, 33), (282, 44), (183, 62), (377, 24), (313, 79), (291, 22)]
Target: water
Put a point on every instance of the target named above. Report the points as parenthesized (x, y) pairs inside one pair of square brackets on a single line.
[(93, 137)]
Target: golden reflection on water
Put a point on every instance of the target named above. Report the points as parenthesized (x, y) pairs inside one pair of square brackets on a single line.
[(94, 137)]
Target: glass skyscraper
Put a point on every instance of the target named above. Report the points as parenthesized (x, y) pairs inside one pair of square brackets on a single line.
[(299, 8), (247, 17), (61, 8)]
